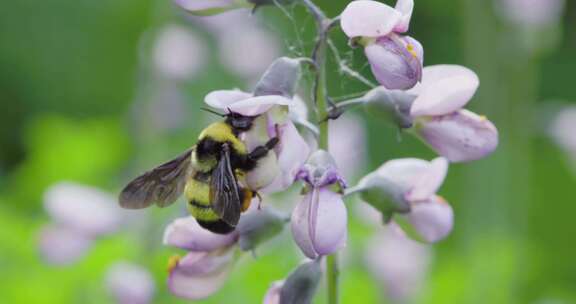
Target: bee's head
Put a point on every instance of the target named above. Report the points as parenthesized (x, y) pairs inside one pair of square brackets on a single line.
[(239, 122)]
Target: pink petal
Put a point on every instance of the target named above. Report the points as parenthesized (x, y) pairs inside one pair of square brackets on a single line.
[(188, 284), (444, 89), (345, 132), (83, 208), (130, 283), (202, 263), (185, 233), (259, 104), (62, 246), (319, 223), (223, 99), (293, 151), (399, 263), (432, 220), (461, 136), (273, 294), (430, 181), (405, 7), (365, 18)]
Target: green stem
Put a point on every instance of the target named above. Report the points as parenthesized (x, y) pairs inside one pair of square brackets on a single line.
[(323, 25)]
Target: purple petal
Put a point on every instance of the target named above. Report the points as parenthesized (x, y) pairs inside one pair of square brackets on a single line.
[(319, 223), (394, 62), (83, 208), (62, 246), (461, 136), (185, 233), (432, 220), (430, 181), (130, 283), (400, 264), (223, 99), (405, 7), (444, 89), (369, 19), (191, 280), (273, 294)]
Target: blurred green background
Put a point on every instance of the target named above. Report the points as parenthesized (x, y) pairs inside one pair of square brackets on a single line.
[(76, 88)]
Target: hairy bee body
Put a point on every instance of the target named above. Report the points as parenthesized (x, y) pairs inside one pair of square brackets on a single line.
[(211, 175), (205, 157)]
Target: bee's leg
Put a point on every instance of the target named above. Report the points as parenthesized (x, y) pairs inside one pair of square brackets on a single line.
[(261, 151), (259, 199)]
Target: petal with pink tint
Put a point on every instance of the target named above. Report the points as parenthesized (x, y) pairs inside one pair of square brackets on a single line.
[(198, 275), (62, 246), (366, 18), (431, 220), (444, 89), (293, 151), (461, 136), (405, 7), (404, 171), (129, 283), (319, 223), (430, 181), (223, 99), (185, 233), (257, 105), (86, 209), (273, 294)]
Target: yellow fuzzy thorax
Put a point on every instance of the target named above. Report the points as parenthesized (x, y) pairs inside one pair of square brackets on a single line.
[(222, 132)]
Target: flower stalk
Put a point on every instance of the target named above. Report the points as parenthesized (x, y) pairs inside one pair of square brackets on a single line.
[(323, 25)]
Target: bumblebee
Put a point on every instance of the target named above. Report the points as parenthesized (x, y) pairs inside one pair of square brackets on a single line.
[(211, 175)]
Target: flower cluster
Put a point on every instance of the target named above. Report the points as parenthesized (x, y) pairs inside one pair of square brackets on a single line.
[(427, 101)]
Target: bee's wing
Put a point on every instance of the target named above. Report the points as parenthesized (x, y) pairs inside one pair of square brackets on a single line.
[(224, 192), (161, 185)]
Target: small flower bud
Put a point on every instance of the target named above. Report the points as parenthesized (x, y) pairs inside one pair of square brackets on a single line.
[(301, 285), (396, 61), (393, 104), (258, 226), (280, 78)]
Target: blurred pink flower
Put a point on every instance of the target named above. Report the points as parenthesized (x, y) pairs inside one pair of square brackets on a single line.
[(531, 13), (319, 221), (62, 246), (80, 214), (247, 49), (178, 53), (130, 283), (562, 129), (400, 264), (84, 209), (396, 61)]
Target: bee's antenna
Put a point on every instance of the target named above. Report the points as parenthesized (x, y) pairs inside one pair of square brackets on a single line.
[(213, 112)]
